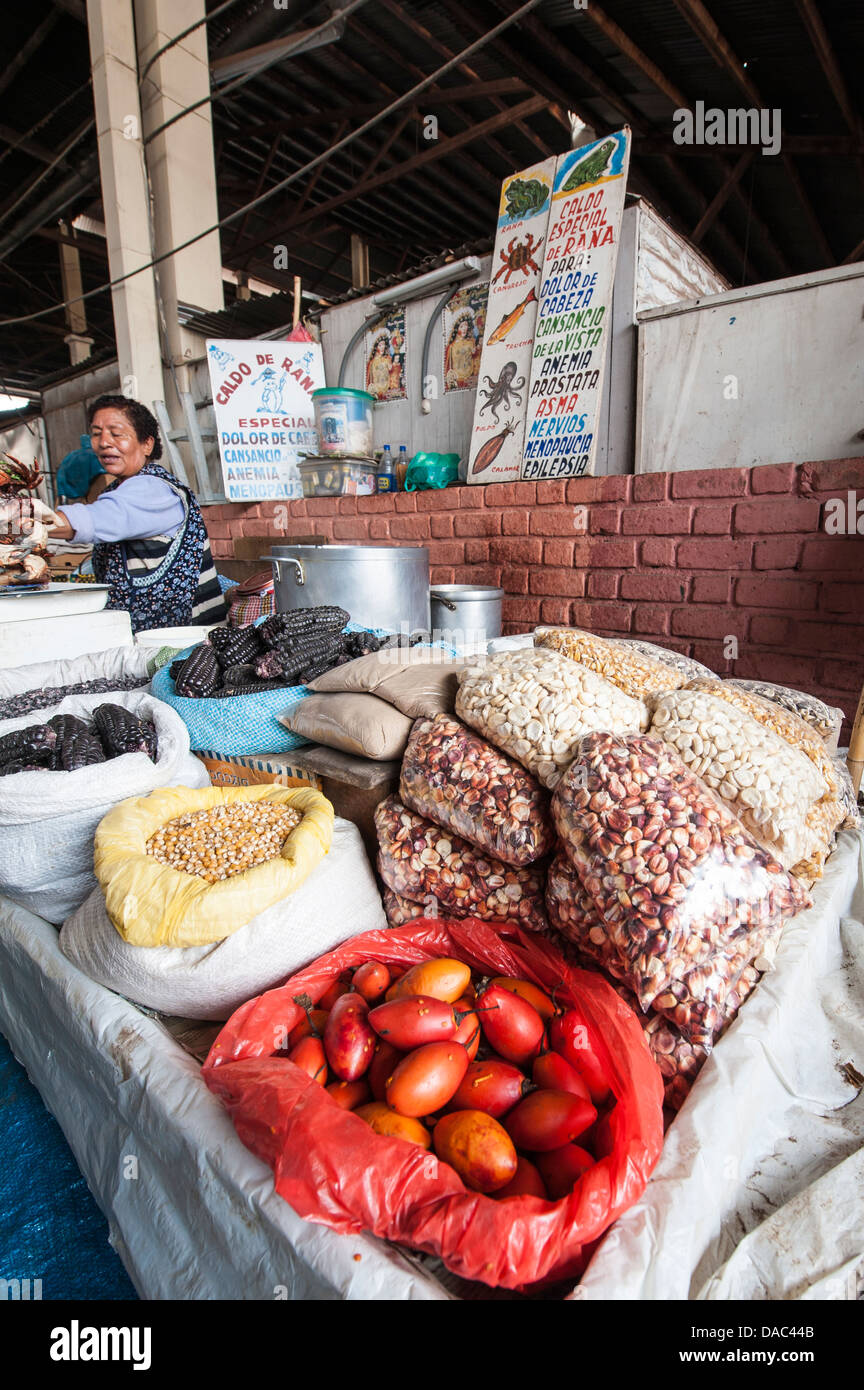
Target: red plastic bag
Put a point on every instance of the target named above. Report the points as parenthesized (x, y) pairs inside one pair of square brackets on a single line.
[(332, 1169)]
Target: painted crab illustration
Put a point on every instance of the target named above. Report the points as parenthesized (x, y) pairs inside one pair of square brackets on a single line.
[(503, 392), (519, 256)]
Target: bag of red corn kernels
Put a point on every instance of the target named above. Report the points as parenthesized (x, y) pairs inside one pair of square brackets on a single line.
[(420, 861), (400, 911), (333, 1169), (572, 913), (456, 779), (684, 893)]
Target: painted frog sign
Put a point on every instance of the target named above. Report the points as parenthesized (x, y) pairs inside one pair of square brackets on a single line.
[(265, 421), (549, 307), (569, 349)]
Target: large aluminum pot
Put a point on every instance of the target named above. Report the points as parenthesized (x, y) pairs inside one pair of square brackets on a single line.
[(466, 614), (380, 586)]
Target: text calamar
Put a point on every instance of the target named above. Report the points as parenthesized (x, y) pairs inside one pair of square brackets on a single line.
[(77, 1343)]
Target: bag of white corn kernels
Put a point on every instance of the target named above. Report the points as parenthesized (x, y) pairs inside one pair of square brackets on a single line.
[(837, 809), (702, 995), (639, 676), (825, 719), (536, 705), (687, 897), (460, 782), (338, 900), (771, 786), (422, 862), (48, 819), (153, 902), (687, 665)]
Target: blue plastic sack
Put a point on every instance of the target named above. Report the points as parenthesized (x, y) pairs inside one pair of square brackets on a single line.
[(238, 725)]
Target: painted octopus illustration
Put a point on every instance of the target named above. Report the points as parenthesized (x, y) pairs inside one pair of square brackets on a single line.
[(519, 256), (504, 392)]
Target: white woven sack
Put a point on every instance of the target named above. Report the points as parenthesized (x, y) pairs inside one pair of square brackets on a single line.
[(48, 819), (338, 900), (117, 663)]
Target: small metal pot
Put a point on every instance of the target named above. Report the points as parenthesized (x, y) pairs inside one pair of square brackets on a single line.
[(469, 613)]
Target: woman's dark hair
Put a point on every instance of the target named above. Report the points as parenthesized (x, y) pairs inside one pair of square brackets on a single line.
[(140, 418)]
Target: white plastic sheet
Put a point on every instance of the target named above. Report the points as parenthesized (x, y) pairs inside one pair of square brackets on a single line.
[(201, 1219), (758, 1192)]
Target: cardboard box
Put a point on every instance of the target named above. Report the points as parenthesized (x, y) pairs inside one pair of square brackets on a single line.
[(275, 769)]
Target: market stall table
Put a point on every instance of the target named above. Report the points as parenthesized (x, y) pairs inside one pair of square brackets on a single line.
[(757, 1161)]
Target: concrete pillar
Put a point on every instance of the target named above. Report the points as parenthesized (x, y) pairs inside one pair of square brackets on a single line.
[(124, 195), (181, 166)]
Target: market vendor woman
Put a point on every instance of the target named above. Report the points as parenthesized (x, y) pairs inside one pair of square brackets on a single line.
[(148, 535)]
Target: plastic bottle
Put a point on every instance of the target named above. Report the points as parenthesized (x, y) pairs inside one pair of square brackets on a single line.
[(386, 472), (401, 467)]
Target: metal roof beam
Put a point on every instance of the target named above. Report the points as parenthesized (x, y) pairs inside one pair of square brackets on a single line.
[(27, 49), (443, 51), (704, 26), (439, 150), (679, 99)]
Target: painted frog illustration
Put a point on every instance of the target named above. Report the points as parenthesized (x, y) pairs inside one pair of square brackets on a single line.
[(525, 196), (590, 168)]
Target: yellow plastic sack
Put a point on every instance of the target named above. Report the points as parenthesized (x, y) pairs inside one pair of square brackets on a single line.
[(151, 904)]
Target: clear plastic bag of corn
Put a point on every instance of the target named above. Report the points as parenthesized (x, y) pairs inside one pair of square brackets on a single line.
[(639, 675), (837, 809), (187, 868)]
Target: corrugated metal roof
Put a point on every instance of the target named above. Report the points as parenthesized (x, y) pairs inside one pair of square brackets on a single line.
[(275, 123)]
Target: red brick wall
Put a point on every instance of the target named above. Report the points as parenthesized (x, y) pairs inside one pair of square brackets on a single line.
[(684, 559)]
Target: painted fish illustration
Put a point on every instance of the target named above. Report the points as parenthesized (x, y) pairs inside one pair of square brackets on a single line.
[(525, 196), (511, 319), (590, 168), (488, 453)]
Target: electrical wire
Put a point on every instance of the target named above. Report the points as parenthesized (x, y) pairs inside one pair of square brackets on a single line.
[(178, 38), (290, 178), (43, 120)]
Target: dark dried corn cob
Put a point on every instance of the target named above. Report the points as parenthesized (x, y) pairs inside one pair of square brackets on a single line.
[(317, 668), (33, 744), (9, 769), (250, 688), (218, 637), (120, 731), (70, 730), (270, 666), (325, 618), (241, 674), (242, 646), (80, 750), (150, 739), (201, 674), (313, 648)]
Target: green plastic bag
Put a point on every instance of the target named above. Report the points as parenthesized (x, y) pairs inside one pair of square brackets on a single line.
[(431, 470)]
